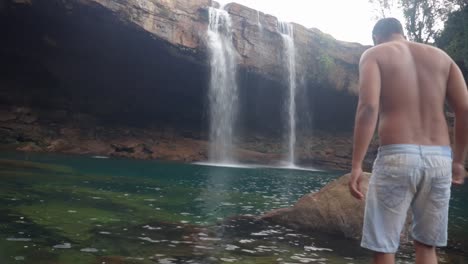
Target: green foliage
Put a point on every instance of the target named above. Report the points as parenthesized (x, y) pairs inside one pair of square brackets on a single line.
[(454, 37), (423, 18), (326, 61)]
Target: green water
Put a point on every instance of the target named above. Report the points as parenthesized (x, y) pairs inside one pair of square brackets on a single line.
[(72, 209)]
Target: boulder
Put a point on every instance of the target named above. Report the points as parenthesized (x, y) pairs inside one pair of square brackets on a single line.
[(331, 210), (6, 116), (30, 147), (58, 145), (28, 118)]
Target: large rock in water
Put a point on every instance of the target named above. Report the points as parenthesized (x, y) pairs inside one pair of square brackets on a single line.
[(331, 210)]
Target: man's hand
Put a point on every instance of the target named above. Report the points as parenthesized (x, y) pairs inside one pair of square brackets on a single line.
[(355, 184), (458, 173)]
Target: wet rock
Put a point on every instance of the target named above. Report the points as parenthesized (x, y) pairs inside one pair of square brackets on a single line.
[(28, 118), (331, 210), (122, 148), (54, 115), (30, 147), (7, 116), (84, 119), (58, 145), (22, 110), (7, 135)]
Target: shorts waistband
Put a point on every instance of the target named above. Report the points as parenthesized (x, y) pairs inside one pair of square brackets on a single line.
[(415, 149)]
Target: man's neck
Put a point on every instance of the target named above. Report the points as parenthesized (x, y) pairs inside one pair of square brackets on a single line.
[(396, 37)]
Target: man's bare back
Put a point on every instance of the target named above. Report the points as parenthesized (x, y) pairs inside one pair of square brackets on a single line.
[(413, 89)]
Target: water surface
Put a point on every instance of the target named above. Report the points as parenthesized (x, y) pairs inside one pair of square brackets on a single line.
[(74, 209)]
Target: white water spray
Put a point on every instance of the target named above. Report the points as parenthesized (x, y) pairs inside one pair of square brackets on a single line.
[(259, 24), (287, 33), (223, 93)]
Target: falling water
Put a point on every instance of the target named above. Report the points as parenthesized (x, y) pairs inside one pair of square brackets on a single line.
[(223, 94), (258, 20), (287, 33)]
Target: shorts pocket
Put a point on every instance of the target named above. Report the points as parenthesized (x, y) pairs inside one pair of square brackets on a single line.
[(440, 190), (391, 186), (392, 196)]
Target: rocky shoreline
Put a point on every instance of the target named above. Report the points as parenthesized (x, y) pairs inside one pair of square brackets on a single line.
[(57, 131)]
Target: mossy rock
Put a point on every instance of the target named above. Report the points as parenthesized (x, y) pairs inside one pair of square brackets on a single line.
[(29, 165), (71, 221)]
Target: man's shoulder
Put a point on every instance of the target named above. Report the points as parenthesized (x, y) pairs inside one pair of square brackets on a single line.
[(375, 52), (428, 47), (381, 49), (393, 48)]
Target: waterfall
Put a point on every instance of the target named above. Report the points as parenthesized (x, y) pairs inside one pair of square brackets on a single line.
[(287, 33), (259, 24), (223, 94)]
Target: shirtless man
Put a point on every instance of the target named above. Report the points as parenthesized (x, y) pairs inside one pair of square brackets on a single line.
[(405, 85)]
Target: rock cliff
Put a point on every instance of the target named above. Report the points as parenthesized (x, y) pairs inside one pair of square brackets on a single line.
[(184, 25), (145, 64)]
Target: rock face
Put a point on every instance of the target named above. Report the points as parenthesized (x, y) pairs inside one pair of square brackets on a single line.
[(122, 60), (184, 25), (332, 210), (33, 130), (144, 65)]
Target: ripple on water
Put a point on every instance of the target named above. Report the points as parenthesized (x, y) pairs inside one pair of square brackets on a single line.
[(63, 246), (231, 247), (210, 239), (149, 240), (228, 259), (151, 227), (203, 247), (249, 251), (167, 261), (89, 250), (266, 233), (19, 239), (307, 260), (312, 248)]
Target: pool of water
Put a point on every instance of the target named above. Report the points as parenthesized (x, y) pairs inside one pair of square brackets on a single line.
[(74, 209)]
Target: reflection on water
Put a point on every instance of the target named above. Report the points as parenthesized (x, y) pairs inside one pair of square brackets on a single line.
[(68, 209)]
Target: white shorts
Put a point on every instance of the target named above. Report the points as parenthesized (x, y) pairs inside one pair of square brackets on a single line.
[(404, 177)]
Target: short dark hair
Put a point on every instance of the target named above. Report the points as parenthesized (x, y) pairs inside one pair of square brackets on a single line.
[(386, 27)]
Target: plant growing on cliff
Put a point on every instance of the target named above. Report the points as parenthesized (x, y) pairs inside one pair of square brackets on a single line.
[(325, 63)]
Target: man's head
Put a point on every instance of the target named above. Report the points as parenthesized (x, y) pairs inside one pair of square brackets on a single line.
[(385, 29)]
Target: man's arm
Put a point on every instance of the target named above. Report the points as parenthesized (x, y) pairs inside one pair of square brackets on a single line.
[(457, 95), (366, 116)]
